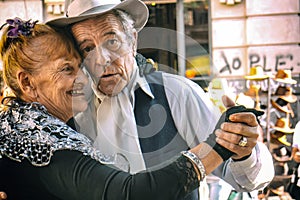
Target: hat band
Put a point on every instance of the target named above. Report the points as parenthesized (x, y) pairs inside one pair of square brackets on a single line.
[(281, 102)]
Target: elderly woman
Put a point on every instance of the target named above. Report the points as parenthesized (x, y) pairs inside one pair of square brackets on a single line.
[(42, 157)]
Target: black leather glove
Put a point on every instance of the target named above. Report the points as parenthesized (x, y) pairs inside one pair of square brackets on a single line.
[(211, 140)]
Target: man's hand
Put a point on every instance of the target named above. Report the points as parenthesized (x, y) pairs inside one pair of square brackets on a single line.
[(243, 124)]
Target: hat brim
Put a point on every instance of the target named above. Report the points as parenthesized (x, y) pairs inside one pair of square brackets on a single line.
[(282, 158), (278, 191), (281, 139), (289, 98), (284, 130), (286, 80), (280, 108), (135, 8), (256, 77)]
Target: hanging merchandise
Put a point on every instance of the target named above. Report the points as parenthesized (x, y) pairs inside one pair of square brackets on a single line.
[(281, 156), (286, 93), (276, 190), (279, 138), (256, 74), (284, 76), (256, 88), (294, 186), (283, 125), (283, 106), (251, 92)]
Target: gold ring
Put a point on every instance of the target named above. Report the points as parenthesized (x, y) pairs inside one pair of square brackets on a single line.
[(243, 142)]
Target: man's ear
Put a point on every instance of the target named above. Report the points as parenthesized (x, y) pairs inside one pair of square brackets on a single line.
[(27, 87)]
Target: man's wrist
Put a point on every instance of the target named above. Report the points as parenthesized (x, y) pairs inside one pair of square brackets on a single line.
[(224, 153), (241, 159), (251, 158)]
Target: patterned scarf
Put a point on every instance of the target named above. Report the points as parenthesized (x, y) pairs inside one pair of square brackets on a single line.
[(28, 131)]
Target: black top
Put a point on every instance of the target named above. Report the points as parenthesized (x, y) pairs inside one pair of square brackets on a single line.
[(71, 175), (43, 158)]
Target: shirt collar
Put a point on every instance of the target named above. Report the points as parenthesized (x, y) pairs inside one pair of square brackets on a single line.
[(143, 84)]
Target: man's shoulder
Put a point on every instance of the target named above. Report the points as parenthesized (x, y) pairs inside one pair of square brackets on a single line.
[(179, 81), (170, 77), (176, 84)]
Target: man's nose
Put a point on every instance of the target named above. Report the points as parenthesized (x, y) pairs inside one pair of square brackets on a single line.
[(103, 57)]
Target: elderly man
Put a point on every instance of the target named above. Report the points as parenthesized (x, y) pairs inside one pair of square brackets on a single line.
[(149, 118)]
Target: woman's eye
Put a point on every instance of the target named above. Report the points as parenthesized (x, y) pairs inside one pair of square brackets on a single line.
[(113, 44), (67, 68)]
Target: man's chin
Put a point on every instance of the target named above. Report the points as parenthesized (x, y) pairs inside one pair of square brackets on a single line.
[(111, 91)]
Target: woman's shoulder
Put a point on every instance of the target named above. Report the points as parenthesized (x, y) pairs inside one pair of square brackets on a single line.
[(28, 131)]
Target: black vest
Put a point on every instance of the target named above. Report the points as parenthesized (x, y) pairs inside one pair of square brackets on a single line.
[(158, 135)]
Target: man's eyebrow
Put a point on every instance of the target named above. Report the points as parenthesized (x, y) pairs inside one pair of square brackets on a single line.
[(105, 34), (110, 33), (80, 43)]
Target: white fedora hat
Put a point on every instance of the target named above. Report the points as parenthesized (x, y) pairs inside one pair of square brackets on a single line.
[(79, 10)]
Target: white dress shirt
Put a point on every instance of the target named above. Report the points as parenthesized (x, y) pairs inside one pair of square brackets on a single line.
[(195, 118)]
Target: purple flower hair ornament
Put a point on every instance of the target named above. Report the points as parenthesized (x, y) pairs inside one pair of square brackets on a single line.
[(17, 26)]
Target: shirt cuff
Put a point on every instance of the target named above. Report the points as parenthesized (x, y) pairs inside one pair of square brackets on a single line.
[(250, 161)]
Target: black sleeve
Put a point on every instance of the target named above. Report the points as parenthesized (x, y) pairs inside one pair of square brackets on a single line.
[(74, 176)]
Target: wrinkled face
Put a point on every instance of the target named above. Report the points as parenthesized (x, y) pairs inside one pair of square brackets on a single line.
[(108, 54), (61, 86)]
